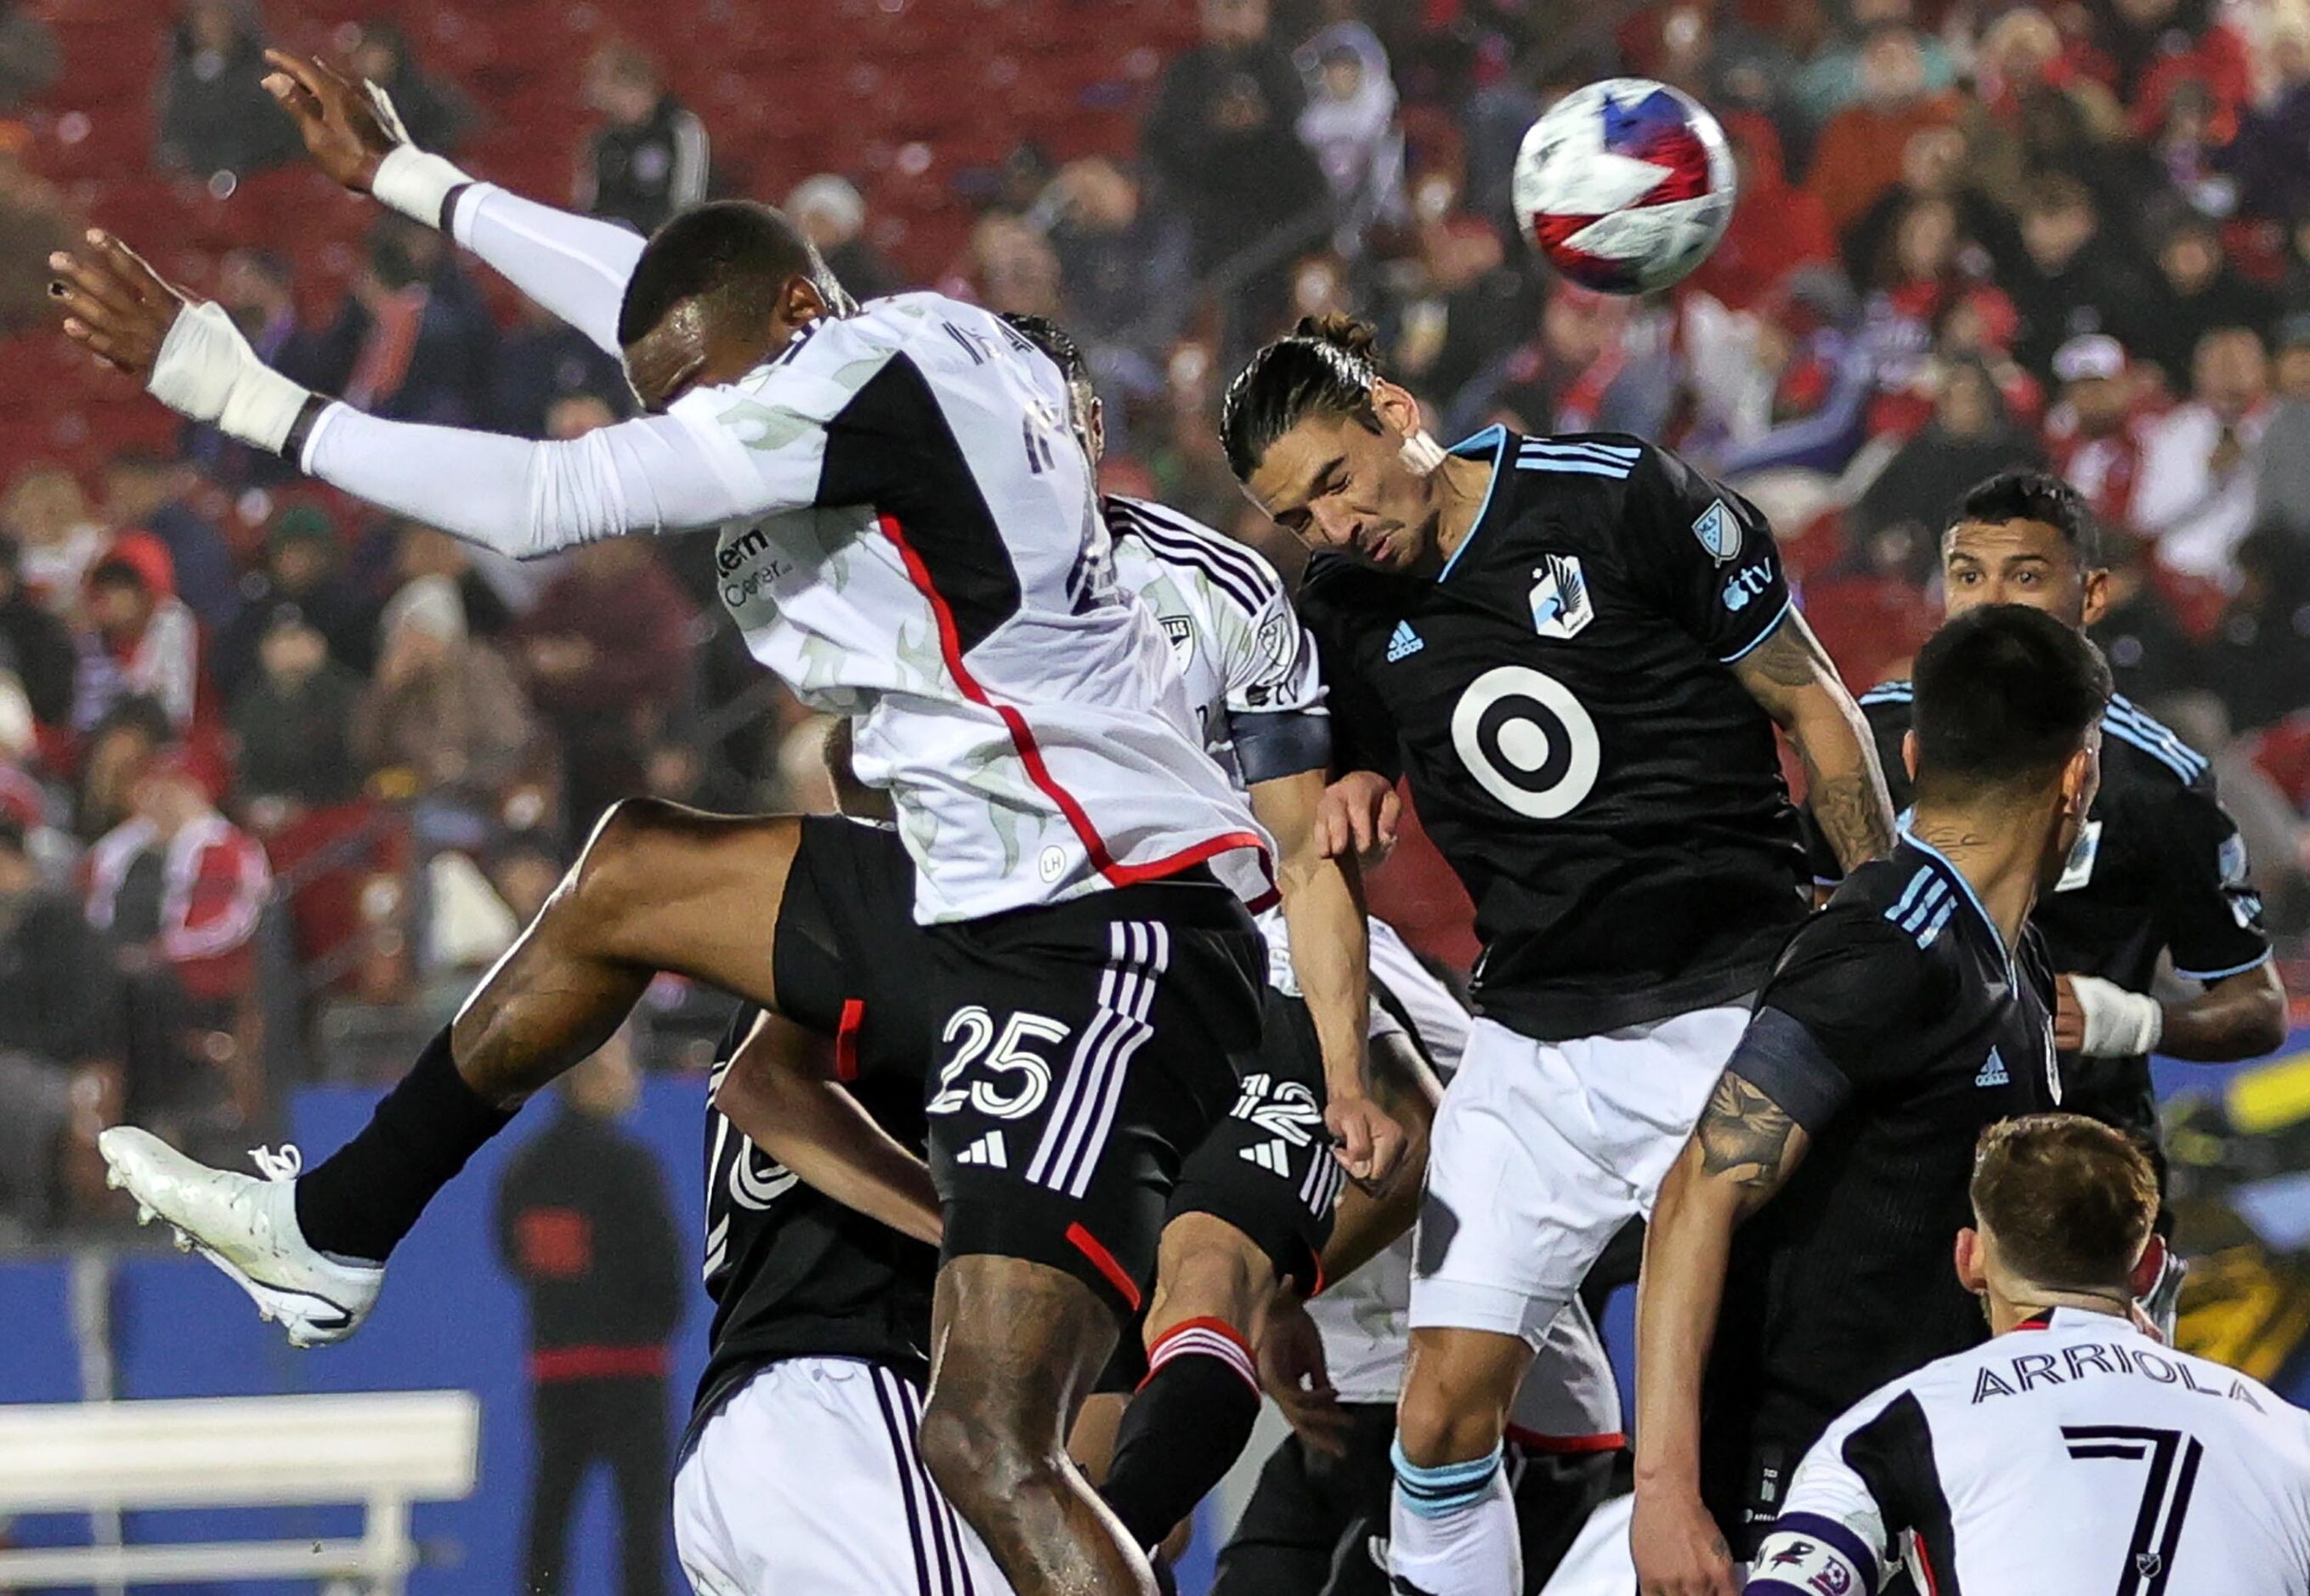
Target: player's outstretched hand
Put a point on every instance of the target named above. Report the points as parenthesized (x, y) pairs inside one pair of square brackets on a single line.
[(348, 124), (115, 305), (1291, 1366), (1359, 815), (1366, 1140), (1678, 1552)]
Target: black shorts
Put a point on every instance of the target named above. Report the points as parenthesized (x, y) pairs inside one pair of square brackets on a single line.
[(1267, 1168), (846, 956), (1084, 1050)]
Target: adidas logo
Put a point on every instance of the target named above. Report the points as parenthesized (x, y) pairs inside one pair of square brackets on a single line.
[(1274, 1157), (1404, 642), (1992, 1073), (987, 1150)]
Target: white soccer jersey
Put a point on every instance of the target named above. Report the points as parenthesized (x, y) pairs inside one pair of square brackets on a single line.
[(906, 534), (2074, 1457)]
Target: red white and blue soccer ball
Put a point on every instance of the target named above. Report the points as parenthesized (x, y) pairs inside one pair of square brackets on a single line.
[(1625, 185)]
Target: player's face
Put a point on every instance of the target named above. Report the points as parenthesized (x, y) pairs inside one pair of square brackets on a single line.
[(2019, 562), (1342, 486)]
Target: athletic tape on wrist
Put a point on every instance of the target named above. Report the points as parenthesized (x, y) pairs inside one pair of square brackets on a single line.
[(2118, 1023), (418, 185), (205, 370)]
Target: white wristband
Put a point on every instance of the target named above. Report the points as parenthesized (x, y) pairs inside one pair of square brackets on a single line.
[(206, 370), (2118, 1023), (414, 183)]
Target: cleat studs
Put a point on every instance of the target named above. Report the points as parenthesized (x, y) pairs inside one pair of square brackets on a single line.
[(112, 1178), (143, 1214), (184, 1243)]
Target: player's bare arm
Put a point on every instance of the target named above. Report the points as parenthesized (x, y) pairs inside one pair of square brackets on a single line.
[(1367, 1222), (1790, 676), (780, 1095), (1742, 1152), (1323, 905), (1361, 813), (2239, 1016), (347, 126)]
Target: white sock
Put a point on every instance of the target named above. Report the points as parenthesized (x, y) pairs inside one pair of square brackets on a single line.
[(1452, 1530)]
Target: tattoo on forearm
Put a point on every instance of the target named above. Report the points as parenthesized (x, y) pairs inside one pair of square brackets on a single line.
[(1744, 1134), (1788, 658), (1854, 816)]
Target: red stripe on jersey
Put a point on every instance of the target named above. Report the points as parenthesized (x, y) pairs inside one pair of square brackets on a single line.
[(1022, 738), (1926, 1562), (1533, 1441), (846, 1038), (1089, 1245)]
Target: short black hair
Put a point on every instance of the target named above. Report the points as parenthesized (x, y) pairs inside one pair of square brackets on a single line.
[(737, 251), (2025, 494), (1054, 340), (1326, 367), (114, 571), (2004, 695)]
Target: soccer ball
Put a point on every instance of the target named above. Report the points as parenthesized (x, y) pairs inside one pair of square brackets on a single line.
[(1625, 185)]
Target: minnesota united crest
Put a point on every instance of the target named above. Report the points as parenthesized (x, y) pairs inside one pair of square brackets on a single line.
[(1561, 605)]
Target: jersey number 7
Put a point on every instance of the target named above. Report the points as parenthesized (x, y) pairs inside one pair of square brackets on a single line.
[(2165, 1494)]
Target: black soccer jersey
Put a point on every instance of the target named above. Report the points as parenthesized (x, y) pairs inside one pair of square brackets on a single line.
[(1895, 1027), (2160, 866), (1559, 697)]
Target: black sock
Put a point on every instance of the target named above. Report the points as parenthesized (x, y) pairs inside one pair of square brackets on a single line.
[(1187, 1423), (363, 1198)]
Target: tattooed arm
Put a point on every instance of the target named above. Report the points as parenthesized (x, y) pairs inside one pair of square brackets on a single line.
[(1743, 1151), (1794, 681)]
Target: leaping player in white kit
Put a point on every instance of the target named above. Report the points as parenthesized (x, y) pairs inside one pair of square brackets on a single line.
[(907, 536)]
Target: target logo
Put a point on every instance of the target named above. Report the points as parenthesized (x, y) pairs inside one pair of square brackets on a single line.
[(1527, 741)]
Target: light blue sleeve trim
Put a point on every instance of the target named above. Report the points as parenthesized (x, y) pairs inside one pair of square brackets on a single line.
[(2237, 969), (1773, 626)]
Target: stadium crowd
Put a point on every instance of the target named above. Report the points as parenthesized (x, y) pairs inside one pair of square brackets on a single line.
[(268, 766)]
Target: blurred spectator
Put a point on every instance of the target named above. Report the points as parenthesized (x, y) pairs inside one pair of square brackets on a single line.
[(1969, 438), (1861, 148), (1014, 266), (606, 653), (2195, 498), (437, 116), (444, 716), (1932, 167), (215, 115), (2195, 290), (292, 725), (180, 886), (2259, 657), (1191, 466), (650, 157), (832, 212), (2272, 153), (1466, 302), (1126, 271), (524, 870), (585, 1225), (2150, 656), (300, 567), (2281, 493), (542, 361), (145, 492), (30, 59), (114, 756), (59, 1047), (1786, 387), (414, 337), (1838, 75), (1593, 366), (58, 537), (1221, 139), (2069, 276), (2091, 434), (488, 594), (1775, 228), (36, 646), (2151, 49), (141, 641), (35, 221), (1349, 125), (2035, 114)]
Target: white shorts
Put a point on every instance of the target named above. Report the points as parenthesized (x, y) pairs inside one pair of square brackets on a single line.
[(807, 1483), (1542, 1150)]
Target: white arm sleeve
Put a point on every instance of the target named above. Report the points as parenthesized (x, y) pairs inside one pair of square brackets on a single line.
[(574, 266), (650, 476)]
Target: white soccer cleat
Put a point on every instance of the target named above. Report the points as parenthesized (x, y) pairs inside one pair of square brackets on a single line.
[(246, 1227)]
